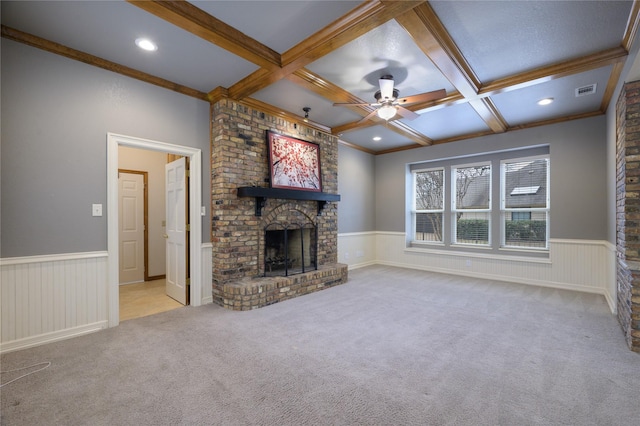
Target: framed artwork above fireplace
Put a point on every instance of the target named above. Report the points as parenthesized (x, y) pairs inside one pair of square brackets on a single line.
[(293, 163)]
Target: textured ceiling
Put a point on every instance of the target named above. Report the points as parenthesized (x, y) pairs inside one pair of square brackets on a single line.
[(495, 60)]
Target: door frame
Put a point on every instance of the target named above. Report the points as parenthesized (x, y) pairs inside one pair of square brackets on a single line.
[(145, 219), (195, 201)]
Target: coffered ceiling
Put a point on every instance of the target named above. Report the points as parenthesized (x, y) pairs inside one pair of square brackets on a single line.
[(494, 59)]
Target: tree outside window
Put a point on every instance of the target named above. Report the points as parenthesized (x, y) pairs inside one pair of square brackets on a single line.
[(429, 205), (472, 204)]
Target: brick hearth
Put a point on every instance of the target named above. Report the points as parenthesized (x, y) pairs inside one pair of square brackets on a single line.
[(239, 158)]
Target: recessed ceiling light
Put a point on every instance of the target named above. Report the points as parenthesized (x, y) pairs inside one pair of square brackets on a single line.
[(377, 138), (146, 44), (545, 101)]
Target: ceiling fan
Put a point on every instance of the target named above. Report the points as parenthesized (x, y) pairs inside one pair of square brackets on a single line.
[(390, 106)]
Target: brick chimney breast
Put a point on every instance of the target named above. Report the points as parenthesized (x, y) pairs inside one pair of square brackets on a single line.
[(239, 158)]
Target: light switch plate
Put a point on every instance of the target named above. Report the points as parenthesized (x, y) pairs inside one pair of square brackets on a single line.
[(96, 209)]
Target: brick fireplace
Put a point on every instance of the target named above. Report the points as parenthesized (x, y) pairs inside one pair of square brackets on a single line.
[(628, 212), (244, 208)]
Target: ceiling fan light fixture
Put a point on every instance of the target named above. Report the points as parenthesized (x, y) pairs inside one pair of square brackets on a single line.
[(387, 112)]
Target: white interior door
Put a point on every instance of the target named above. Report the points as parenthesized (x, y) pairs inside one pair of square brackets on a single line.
[(131, 232), (176, 233)]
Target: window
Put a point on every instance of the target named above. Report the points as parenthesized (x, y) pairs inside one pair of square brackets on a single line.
[(428, 205), (525, 202), (497, 201), (520, 215), (471, 210)]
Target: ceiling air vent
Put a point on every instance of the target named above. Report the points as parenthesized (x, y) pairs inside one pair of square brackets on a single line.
[(586, 90)]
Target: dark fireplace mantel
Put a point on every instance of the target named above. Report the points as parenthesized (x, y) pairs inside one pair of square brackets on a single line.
[(261, 195)]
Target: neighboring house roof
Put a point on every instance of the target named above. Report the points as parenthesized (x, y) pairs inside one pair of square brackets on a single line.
[(526, 187)]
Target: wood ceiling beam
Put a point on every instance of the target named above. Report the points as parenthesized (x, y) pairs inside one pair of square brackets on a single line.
[(490, 114), (358, 147), (424, 26), (287, 115), (402, 129), (359, 21), (629, 36), (314, 83), (218, 94), (198, 22), (395, 126), (633, 23), (432, 38), (59, 49), (562, 69)]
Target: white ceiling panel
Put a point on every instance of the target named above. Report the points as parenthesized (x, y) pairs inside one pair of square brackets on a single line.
[(364, 138), (388, 49), (524, 35), (499, 40), (448, 122), (279, 25), (114, 27), (292, 98), (520, 106)]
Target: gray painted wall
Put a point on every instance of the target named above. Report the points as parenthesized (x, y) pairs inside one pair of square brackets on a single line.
[(55, 117), (356, 179), (56, 113), (578, 152)]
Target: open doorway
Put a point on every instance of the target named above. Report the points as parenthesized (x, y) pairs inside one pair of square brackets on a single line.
[(192, 212), (142, 227)]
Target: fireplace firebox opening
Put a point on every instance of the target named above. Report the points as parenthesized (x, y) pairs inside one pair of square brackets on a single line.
[(290, 249)]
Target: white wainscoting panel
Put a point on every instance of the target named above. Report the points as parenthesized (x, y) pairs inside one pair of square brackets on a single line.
[(52, 297), (48, 298), (357, 249), (207, 272), (580, 265)]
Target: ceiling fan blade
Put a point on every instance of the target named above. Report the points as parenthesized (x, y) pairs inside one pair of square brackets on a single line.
[(386, 88), (422, 97), (371, 114), (406, 113), (349, 104)]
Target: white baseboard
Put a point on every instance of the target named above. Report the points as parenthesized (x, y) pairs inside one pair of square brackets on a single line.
[(29, 342), (362, 265), (502, 278), (577, 265)]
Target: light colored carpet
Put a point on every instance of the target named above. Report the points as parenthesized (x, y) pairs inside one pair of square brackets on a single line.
[(390, 347)]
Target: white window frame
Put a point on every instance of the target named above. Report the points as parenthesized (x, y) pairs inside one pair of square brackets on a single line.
[(454, 209), (504, 210), (415, 211)]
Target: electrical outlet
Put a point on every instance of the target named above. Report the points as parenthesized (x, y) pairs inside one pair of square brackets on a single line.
[(468, 263), (346, 255), (96, 209), (359, 253)]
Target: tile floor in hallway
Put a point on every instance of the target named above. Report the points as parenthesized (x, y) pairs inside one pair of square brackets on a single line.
[(143, 299)]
